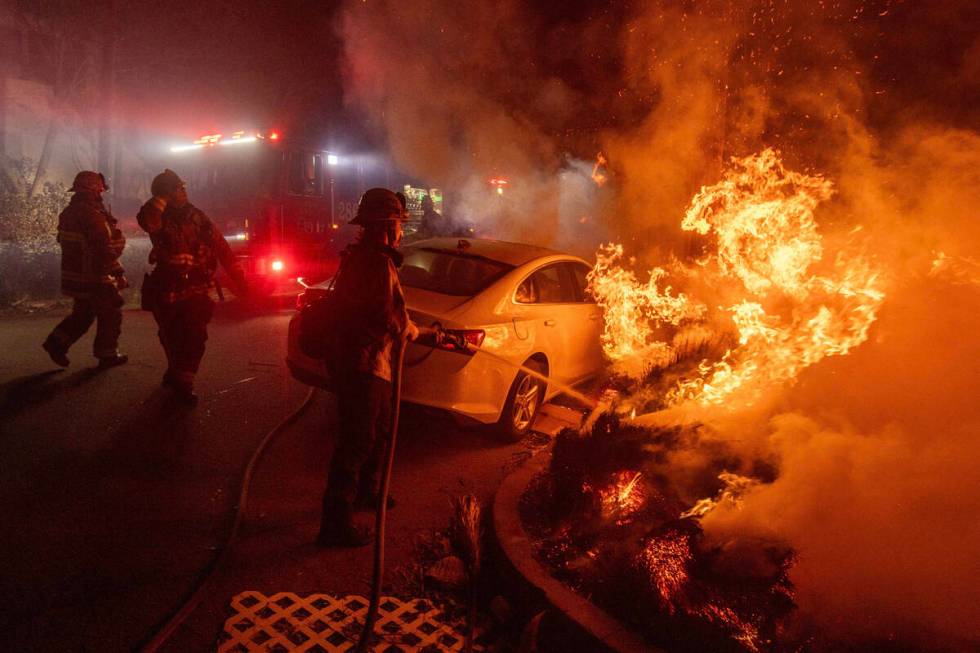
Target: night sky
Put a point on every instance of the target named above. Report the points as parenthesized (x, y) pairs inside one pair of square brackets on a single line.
[(188, 67)]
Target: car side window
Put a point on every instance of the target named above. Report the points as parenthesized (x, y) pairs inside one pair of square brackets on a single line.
[(579, 274), (525, 293), (546, 286)]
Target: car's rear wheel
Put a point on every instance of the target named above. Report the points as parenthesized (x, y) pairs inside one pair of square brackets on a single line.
[(523, 402)]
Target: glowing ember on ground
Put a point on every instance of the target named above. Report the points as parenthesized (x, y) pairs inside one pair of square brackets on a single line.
[(607, 519), (623, 498), (665, 560)]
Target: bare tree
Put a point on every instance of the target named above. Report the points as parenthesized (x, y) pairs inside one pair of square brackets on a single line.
[(68, 59)]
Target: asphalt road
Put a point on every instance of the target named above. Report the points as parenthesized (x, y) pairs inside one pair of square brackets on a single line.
[(115, 498)]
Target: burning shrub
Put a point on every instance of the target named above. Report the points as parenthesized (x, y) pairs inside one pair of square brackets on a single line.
[(611, 522)]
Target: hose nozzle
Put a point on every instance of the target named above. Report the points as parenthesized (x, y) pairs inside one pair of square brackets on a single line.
[(454, 340)]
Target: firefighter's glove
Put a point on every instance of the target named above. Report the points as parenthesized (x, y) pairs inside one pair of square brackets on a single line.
[(411, 331)]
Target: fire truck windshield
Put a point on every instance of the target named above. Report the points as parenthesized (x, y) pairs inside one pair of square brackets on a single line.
[(229, 181)]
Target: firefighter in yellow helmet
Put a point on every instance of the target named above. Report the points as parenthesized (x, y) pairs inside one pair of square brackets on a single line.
[(374, 317), (91, 274), (187, 249)]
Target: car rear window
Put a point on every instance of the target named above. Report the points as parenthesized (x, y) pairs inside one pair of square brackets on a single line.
[(449, 272)]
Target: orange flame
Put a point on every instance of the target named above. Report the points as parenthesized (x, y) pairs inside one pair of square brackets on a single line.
[(957, 270), (735, 487), (786, 315), (599, 175), (634, 312)]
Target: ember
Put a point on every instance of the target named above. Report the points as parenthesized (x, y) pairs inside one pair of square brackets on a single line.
[(609, 508), (622, 498), (665, 559)]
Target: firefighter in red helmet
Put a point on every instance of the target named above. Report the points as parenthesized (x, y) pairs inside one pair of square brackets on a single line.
[(91, 274), (374, 319), (187, 249)]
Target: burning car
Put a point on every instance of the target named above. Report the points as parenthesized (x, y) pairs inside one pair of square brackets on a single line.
[(524, 311)]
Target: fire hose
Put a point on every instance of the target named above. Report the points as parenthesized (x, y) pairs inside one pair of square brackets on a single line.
[(196, 594), (429, 336), (433, 336), (438, 336)]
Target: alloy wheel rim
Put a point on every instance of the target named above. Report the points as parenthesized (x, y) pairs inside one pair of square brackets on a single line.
[(525, 403)]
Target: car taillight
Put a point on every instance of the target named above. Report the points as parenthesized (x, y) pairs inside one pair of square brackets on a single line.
[(472, 337), (309, 296)]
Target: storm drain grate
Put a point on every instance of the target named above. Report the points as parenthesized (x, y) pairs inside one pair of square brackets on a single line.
[(320, 622)]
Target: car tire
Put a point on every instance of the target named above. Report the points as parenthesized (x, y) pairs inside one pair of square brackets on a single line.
[(523, 403)]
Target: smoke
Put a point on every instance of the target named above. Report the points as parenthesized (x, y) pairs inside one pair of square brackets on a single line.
[(876, 485), (438, 81)]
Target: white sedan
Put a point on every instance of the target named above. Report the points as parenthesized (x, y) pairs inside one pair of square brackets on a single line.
[(516, 305)]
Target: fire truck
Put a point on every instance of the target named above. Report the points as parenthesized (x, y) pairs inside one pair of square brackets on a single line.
[(283, 205)]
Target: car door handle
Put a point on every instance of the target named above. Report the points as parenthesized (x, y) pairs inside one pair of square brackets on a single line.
[(549, 323), (594, 317)]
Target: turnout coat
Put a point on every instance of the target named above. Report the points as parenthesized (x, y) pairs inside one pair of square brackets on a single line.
[(91, 245), (187, 248), (373, 308)]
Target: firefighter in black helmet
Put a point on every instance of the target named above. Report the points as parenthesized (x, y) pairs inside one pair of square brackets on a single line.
[(434, 224), (374, 321), (91, 245), (187, 248)]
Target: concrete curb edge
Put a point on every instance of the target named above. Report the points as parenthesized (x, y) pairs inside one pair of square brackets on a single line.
[(516, 545)]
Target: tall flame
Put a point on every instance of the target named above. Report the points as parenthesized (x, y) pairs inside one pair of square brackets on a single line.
[(635, 312), (785, 315)]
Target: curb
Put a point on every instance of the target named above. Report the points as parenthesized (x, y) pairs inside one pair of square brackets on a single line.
[(516, 546)]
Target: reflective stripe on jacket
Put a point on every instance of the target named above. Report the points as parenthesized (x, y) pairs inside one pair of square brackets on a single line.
[(187, 248), (90, 246)]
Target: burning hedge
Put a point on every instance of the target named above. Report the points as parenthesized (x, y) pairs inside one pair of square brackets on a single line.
[(612, 520)]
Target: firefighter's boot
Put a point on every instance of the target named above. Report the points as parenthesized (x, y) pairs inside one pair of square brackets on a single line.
[(57, 354), (112, 361), (184, 394)]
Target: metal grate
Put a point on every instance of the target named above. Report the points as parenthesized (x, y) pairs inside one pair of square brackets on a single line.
[(320, 622)]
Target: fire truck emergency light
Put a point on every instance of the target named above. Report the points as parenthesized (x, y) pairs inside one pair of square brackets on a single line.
[(277, 266), (233, 141), (211, 140), (499, 183)]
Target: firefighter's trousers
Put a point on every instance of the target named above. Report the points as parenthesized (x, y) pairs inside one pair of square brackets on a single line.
[(104, 307), (364, 411), (183, 330)]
